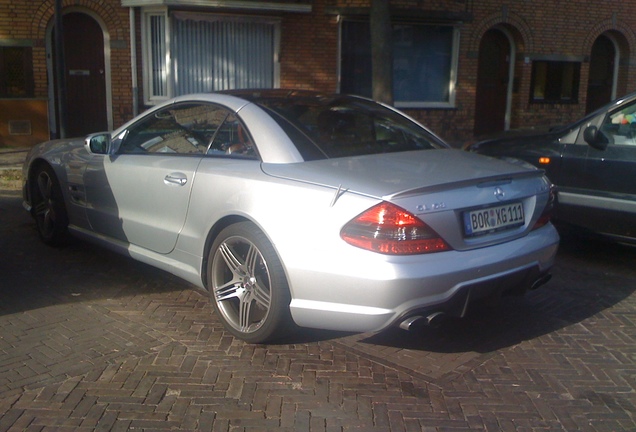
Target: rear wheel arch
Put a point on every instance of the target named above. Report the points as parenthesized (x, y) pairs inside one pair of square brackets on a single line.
[(214, 232), (247, 282)]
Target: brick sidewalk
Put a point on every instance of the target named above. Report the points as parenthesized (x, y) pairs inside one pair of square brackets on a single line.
[(90, 340)]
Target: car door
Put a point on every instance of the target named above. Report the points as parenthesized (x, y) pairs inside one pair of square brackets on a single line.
[(140, 195), (597, 187)]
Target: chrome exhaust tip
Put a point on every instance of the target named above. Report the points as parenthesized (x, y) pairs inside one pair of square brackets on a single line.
[(435, 319), (408, 323), (432, 320), (541, 281)]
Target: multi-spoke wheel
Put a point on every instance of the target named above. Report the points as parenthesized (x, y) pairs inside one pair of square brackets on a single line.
[(247, 285), (48, 207)]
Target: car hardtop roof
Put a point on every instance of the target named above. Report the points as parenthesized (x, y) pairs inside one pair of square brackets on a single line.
[(256, 95)]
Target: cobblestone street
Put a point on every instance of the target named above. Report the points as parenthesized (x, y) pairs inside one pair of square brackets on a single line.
[(90, 340)]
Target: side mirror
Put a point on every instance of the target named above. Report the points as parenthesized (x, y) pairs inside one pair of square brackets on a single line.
[(595, 138), (98, 143)]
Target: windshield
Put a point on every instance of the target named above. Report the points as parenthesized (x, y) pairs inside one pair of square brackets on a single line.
[(339, 126)]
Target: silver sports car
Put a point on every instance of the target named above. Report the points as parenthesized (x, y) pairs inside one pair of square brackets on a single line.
[(300, 209)]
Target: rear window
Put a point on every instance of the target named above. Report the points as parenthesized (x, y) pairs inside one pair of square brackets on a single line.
[(331, 127)]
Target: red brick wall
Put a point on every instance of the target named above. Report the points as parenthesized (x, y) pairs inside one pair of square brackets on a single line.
[(540, 28), (309, 49), (28, 21)]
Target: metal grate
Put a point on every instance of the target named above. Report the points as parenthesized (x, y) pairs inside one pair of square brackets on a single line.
[(19, 127), (15, 73)]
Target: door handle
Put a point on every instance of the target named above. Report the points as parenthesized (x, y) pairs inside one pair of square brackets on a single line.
[(178, 179)]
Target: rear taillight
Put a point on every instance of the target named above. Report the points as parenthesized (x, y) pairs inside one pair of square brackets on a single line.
[(389, 229), (546, 215)]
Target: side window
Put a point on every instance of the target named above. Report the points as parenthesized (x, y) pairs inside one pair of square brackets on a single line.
[(186, 128), (233, 139), (620, 126)]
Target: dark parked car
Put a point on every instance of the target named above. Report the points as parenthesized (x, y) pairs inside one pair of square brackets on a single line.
[(593, 164)]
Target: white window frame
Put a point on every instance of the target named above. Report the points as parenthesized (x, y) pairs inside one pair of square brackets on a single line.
[(150, 97), (169, 76)]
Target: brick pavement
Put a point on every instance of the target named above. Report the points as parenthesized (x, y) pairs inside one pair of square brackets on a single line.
[(90, 340)]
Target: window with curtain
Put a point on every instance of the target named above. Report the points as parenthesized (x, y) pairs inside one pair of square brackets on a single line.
[(209, 53), (424, 63), (157, 56)]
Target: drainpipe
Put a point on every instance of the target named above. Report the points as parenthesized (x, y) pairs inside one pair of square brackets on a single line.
[(133, 62)]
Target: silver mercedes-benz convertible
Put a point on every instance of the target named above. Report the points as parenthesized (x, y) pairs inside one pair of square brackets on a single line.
[(300, 209)]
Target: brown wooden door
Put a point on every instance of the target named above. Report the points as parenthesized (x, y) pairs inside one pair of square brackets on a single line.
[(492, 83), (85, 75), (601, 81)]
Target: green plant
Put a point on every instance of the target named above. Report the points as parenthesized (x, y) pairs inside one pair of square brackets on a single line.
[(10, 179)]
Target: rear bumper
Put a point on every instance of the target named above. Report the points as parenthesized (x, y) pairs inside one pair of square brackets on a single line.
[(372, 296), (517, 283)]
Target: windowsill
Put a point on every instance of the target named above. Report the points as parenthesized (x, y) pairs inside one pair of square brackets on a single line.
[(21, 98)]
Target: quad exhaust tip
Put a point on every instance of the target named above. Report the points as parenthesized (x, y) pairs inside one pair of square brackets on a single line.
[(433, 320), (541, 281)]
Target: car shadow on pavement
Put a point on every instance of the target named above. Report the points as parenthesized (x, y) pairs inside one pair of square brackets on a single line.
[(35, 275), (590, 278)]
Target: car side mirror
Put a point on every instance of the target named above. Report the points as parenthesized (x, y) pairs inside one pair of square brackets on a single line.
[(98, 143), (595, 138)]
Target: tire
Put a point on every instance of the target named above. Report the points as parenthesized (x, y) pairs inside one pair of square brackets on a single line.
[(247, 285), (48, 209)]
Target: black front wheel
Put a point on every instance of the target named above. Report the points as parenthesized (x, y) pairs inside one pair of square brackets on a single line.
[(49, 210), (248, 286)]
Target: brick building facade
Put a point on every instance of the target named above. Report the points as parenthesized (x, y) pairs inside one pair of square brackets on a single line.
[(464, 68)]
